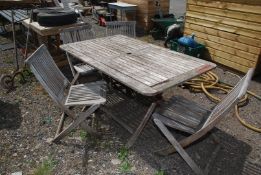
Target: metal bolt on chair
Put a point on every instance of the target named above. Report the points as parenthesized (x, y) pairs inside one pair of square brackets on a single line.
[(187, 116), (56, 84), (74, 34), (127, 28)]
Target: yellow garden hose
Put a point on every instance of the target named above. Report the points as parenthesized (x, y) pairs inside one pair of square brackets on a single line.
[(210, 80)]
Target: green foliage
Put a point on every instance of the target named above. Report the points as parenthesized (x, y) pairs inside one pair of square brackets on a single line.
[(83, 135), (46, 167), (27, 72), (123, 154), (125, 166), (160, 172), (47, 120)]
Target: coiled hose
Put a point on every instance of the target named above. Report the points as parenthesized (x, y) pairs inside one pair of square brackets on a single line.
[(210, 80)]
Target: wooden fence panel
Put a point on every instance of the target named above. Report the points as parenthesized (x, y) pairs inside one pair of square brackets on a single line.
[(231, 30)]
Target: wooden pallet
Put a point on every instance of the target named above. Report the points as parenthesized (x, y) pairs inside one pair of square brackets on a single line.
[(146, 10)]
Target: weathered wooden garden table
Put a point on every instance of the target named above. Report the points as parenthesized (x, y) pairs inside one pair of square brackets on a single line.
[(146, 68)]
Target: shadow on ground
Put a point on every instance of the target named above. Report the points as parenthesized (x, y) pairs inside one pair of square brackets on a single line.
[(257, 78), (10, 116), (229, 159)]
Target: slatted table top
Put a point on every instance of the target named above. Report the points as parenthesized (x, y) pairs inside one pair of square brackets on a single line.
[(146, 68)]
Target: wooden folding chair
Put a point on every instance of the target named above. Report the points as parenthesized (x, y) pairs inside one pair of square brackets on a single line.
[(74, 34), (55, 83), (187, 116), (127, 28)]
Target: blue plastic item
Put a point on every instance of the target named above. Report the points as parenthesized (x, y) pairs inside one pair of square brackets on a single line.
[(188, 41)]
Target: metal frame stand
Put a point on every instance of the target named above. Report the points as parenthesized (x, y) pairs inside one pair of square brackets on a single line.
[(7, 80)]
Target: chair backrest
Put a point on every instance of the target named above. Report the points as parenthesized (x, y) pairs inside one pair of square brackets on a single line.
[(231, 99), (48, 74), (79, 33), (127, 28)]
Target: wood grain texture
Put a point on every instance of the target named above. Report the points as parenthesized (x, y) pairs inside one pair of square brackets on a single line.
[(229, 63), (231, 30), (230, 50), (232, 58), (224, 41), (233, 5), (226, 20), (229, 55), (146, 68), (224, 27), (225, 13), (223, 34), (244, 2)]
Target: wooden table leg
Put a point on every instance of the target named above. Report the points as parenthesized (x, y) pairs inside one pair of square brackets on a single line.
[(141, 126)]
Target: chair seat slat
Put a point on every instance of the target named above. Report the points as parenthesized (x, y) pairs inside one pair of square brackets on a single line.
[(183, 112), (82, 93), (173, 123)]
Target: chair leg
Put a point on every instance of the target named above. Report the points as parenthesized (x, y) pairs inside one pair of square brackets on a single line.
[(75, 78), (178, 147), (141, 126), (60, 124), (170, 149), (76, 123)]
